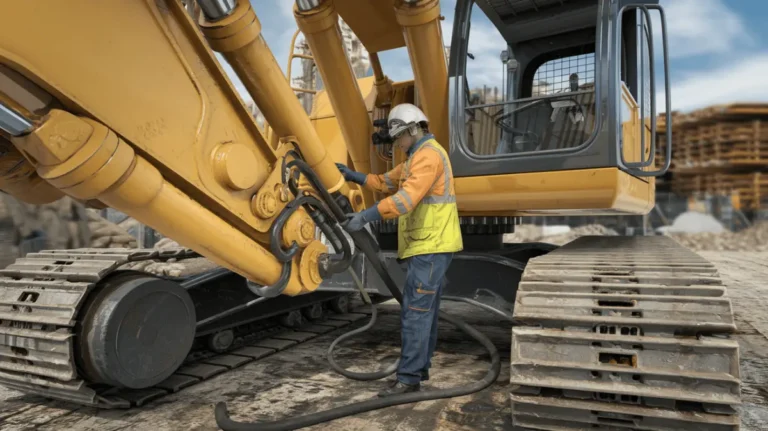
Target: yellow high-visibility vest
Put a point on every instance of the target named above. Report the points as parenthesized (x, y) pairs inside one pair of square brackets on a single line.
[(433, 225)]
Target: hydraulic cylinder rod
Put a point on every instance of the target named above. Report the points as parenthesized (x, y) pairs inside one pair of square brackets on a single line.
[(420, 20), (320, 27), (237, 36)]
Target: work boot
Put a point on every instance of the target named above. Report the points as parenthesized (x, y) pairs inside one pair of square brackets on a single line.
[(399, 388), (424, 376)]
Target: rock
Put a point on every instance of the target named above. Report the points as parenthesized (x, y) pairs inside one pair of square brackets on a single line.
[(63, 223), (166, 243), (694, 222), (754, 238), (102, 242), (532, 233)]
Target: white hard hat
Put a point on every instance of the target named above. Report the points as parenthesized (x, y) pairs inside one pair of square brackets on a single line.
[(402, 117)]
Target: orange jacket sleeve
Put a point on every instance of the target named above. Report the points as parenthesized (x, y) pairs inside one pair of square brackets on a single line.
[(426, 168), (385, 183)]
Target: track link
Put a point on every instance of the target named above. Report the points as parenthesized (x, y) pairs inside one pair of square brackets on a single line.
[(624, 333), (40, 297)]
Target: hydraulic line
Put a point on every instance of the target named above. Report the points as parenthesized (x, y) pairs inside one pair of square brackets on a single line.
[(367, 244), (376, 375)]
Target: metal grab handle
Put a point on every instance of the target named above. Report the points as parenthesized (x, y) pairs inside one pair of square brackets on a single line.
[(291, 56), (649, 38), (635, 168)]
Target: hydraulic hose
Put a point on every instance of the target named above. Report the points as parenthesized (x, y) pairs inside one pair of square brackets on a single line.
[(367, 244), (376, 375), (227, 424), (224, 421)]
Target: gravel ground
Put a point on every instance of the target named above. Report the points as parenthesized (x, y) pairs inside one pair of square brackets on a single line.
[(298, 380), (745, 275), (754, 238)]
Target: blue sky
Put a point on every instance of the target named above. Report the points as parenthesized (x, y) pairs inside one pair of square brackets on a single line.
[(718, 49)]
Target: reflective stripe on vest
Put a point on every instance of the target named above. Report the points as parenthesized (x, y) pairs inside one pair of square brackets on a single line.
[(433, 225)]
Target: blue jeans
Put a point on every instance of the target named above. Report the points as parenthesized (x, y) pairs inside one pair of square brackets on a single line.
[(421, 302)]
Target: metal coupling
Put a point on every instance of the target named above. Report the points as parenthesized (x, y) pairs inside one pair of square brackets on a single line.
[(215, 10), (14, 123), (305, 5)]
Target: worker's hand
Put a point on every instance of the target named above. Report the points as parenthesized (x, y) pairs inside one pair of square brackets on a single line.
[(357, 221), (350, 175)]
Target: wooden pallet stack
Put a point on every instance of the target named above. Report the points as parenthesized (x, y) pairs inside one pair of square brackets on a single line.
[(721, 149)]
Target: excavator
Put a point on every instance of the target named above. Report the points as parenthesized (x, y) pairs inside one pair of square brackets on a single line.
[(127, 105)]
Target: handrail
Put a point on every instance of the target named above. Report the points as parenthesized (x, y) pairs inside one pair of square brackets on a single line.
[(290, 52), (291, 56)]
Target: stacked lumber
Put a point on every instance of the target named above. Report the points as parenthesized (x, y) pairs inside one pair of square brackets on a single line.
[(721, 149)]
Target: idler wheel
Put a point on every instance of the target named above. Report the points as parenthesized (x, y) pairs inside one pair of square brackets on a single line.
[(136, 331)]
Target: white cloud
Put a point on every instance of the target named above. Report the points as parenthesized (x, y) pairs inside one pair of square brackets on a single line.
[(486, 45), (744, 81), (278, 25), (700, 27)]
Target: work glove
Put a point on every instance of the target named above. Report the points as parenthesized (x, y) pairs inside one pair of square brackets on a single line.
[(350, 175), (357, 221)]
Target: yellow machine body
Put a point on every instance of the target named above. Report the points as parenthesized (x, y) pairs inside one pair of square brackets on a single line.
[(141, 117)]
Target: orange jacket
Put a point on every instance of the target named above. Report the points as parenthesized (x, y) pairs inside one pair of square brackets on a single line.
[(426, 177)]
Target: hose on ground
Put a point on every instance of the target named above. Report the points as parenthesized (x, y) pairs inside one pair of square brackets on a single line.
[(375, 375), (226, 423), (367, 244)]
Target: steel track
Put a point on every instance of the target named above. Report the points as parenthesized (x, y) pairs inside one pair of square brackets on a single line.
[(40, 297), (624, 333)]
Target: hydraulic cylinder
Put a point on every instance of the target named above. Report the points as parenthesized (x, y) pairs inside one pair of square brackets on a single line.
[(237, 36), (88, 161), (420, 20), (320, 27)]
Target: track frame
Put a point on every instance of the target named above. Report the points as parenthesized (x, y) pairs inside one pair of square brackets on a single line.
[(43, 294)]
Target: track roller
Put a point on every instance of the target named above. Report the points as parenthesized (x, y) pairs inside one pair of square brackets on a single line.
[(313, 312), (220, 341), (292, 319), (339, 305)]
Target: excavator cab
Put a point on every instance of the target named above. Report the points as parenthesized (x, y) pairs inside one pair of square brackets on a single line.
[(561, 97)]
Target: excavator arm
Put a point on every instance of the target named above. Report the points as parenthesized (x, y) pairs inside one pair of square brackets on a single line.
[(124, 104)]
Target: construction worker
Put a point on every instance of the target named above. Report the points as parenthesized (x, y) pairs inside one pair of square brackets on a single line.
[(423, 199)]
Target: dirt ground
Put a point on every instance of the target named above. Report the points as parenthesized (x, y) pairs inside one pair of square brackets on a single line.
[(746, 276), (298, 380)]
